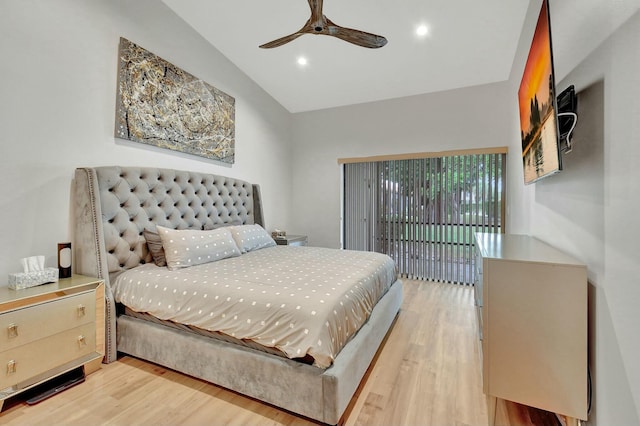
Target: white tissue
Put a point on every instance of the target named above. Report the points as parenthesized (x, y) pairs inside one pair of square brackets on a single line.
[(32, 264)]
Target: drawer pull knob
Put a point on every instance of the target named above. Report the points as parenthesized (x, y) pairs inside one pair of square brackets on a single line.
[(81, 311), (82, 341), (11, 367), (12, 331)]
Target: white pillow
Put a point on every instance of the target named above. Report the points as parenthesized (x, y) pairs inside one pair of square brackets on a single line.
[(251, 237), (189, 247)]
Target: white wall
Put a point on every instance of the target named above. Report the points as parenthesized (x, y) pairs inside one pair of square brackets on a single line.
[(589, 211), (57, 111), (466, 118), (596, 219)]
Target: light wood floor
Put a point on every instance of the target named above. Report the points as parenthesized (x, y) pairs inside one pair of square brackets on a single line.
[(427, 373)]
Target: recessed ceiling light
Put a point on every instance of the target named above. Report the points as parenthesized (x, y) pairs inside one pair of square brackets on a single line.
[(302, 61), (422, 30)]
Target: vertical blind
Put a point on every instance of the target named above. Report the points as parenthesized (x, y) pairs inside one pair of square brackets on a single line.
[(424, 212)]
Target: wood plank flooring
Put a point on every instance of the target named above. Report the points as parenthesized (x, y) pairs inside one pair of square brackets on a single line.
[(427, 373)]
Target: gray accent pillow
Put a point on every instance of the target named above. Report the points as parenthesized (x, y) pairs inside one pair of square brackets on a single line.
[(251, 237), (188, 247), (155, 247)]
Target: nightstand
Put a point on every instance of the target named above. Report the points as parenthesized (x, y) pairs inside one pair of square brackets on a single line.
[(48, 330), (292, 240)]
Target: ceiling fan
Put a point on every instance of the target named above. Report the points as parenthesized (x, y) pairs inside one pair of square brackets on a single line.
[(320, 24)]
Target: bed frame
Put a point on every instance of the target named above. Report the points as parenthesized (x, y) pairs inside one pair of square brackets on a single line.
[(112, 207)]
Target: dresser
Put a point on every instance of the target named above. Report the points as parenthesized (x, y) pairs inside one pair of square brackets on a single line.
[(531, 302), (48, 330)]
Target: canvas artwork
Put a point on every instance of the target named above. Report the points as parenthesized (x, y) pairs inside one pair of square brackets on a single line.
[(159, 104)]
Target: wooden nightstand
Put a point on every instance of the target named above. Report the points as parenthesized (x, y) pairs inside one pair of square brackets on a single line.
[(292, 240), (48, 330)]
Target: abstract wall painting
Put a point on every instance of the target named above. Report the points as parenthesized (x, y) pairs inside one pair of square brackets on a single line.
[(159, 104)]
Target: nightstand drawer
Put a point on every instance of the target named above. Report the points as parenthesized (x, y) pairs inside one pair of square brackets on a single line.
[(24, 362), (32, 323)]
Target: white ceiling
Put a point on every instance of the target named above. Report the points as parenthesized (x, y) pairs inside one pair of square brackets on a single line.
[(469, 43)]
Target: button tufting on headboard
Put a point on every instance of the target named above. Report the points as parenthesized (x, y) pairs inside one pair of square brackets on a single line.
[(133, 199)]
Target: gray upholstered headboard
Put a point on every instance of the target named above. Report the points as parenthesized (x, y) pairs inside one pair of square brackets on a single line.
[(114, 205)]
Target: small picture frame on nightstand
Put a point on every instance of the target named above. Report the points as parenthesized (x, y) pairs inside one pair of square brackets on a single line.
[(277, 233)]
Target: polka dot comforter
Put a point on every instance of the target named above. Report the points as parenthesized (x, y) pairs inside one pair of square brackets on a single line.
[(303, 301)]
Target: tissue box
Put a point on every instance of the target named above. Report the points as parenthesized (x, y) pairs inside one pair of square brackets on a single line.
[(22, 280)]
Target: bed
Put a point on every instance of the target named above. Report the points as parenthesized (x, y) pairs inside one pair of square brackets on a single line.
[(314, 372)]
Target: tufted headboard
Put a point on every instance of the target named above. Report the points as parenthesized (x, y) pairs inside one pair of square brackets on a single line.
[(114, 205)]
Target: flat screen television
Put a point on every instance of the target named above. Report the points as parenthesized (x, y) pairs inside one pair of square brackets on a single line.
[(541, 155)]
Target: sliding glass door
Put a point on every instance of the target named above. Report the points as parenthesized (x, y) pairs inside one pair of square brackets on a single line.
[(423, 212)]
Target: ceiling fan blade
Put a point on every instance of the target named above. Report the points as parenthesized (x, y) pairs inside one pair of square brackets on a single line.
[(316, 10), (280, 41), (318, 24), (357, 37)]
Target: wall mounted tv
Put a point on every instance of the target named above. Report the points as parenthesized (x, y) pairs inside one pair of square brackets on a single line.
[(538, 111)]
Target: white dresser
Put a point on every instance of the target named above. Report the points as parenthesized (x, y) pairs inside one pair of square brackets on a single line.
[(532, 313), (48, 330)]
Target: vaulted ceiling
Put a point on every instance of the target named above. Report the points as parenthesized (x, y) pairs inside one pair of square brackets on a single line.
[(467, 43)]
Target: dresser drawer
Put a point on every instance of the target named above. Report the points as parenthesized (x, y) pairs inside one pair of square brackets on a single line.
[(23, 326), (477, 283), (478, 263), (24, 362)]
